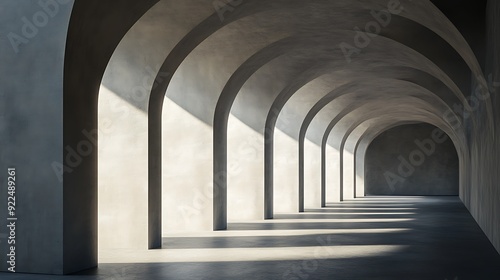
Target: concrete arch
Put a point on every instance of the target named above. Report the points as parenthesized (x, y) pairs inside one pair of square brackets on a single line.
[(349, 154), (224, 105), (76, 124), (154, 59), (83, 71), (346, 110), (129, 77), (338, 144), (331, 97), (267, 129), (339, 117), (153, 169), (457, 139), (184, 43)]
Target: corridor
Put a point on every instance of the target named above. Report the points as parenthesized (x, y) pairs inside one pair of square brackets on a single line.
[(250, 139)]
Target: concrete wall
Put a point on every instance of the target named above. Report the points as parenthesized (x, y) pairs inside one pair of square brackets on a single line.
[(482, 196), (394, 164), (32, 45)]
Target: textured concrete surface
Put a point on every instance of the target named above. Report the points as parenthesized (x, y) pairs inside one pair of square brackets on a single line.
[(416, 159), (483, 193), (31, 132), (370, 238), (211, 113)]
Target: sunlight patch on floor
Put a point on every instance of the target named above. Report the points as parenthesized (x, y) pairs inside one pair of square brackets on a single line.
[(303, 221), (248, 254), (269, 233)]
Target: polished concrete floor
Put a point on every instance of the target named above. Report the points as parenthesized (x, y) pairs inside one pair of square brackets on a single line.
[(368, 238)]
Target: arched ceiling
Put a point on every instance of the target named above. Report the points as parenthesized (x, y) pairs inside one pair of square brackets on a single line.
[(265, 61), (302, 67)]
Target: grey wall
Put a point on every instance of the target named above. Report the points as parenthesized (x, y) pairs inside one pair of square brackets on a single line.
[(394, 164), (31, 132), (482, 196)]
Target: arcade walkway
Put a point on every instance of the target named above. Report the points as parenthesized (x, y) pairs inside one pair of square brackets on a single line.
[(367, 238)]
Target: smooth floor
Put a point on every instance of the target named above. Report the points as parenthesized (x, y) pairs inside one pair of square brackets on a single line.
[(366, 238)]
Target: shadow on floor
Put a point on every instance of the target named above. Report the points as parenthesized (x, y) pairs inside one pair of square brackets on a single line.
[(368, 238)]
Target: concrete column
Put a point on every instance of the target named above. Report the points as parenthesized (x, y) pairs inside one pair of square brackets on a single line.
[(286, 187), (312, 175), (349, 169)]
